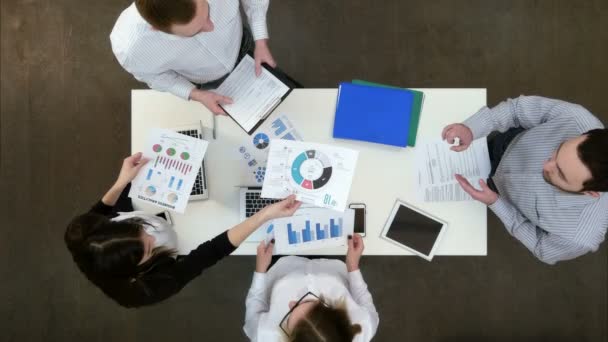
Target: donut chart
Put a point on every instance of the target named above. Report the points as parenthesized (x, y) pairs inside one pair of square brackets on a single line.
[(261, 141), (311, 170)]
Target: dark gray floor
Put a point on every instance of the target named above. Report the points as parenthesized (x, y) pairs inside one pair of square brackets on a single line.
[(65, 126)]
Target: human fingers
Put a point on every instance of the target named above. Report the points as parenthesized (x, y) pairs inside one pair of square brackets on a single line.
[(258, 67), (446, 129), (269, 247), (460, 148), (142, 163), (216, 109), (261, 247), (270, 61), (452, 134), (466, 186), (224, 99)]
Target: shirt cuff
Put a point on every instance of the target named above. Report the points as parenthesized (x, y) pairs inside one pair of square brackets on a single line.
[(257, 18), (259, 29), (101, 208), (479, 123), (182, 88), (355, 277), (259, 280), (501, 208)]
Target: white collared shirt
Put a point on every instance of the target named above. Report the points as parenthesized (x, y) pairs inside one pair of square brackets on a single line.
[(164, 234), (292, 277), (172, 63), (553, 224)]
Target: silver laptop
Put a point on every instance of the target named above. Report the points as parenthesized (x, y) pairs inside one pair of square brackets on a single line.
[(251, 201), (200, 191)]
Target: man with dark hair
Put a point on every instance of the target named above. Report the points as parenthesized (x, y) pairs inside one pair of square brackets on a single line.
[(188, 47), (549, 173)]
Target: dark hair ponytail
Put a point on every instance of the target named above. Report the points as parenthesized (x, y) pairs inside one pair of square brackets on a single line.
[(109, 252)]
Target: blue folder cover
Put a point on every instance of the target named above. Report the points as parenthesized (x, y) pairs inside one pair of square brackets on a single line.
[(374, 114)]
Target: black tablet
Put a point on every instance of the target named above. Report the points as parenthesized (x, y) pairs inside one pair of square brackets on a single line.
[(414, 230)]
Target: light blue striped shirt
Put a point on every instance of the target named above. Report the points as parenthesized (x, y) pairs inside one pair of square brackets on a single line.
[(171, 63), (552, 224)]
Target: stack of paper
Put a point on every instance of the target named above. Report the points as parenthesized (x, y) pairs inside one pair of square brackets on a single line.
[(416, 109), (374, 114), (437, 165)]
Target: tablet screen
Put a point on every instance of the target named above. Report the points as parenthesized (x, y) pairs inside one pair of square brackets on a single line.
[(414, 230)]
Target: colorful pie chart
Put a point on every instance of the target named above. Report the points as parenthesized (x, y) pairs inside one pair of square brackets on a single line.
[(170, 151), (150, 191), (185, 155), (157, 148), (311, 170), (172, 198)]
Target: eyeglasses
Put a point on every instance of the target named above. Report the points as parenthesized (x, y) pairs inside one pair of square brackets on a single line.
[(285, 320)]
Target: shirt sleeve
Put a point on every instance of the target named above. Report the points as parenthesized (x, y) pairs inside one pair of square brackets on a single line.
[(256, 14), (361, 295), (168, 81), (101, 209), (204, 256), (256, 304), (525, 112), (548, 248)]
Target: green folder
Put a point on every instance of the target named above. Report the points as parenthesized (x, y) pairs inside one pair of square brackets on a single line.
[(416, 108)]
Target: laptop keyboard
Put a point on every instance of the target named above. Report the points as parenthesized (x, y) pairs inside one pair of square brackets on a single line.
[(255, 203), (199, 186)]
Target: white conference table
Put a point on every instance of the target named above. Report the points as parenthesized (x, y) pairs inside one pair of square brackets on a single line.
[(383, 173)]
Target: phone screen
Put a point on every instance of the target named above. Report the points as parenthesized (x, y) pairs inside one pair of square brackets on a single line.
[(359, 220)]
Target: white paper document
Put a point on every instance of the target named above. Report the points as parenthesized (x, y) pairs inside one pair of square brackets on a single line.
[(253, 150), (167, 179), (311, 228), (437, 164), (253, 97), (318, 174)]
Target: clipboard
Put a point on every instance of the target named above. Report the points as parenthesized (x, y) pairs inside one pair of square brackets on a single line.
[(269, 108)]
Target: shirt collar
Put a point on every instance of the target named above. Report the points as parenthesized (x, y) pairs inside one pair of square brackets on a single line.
[(567, 199)]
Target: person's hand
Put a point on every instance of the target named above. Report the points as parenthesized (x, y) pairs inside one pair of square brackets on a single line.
[(284, 208), (130, 167), (262, 54), (355, 250), (485, 195), (210, 100), (458, 131), (264, 256)]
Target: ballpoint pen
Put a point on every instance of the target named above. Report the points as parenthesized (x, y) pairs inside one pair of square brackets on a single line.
[(214, 124)]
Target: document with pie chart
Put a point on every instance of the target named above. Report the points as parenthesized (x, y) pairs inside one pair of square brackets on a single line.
[(167, 179), (317, 174)]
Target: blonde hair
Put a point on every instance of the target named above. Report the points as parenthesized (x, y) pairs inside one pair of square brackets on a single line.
[(325, 323)]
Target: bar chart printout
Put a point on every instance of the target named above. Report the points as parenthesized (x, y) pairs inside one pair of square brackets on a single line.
[(320, 232), (312, 228)]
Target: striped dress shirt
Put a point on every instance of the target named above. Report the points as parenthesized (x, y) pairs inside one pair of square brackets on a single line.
[(554, 225), (172, 63)]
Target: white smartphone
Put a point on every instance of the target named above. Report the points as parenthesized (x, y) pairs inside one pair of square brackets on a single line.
[(360, 211)]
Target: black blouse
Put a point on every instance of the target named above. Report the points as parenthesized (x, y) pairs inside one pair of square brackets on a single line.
[(168, 275)]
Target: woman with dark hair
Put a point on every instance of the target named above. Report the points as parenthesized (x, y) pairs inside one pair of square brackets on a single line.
[(301, 300), (132, 256)]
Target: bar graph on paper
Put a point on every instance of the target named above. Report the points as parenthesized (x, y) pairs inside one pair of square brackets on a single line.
[(320, 232), (312, 228)]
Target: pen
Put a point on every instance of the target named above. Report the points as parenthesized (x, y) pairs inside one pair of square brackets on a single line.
[(214, 124)]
